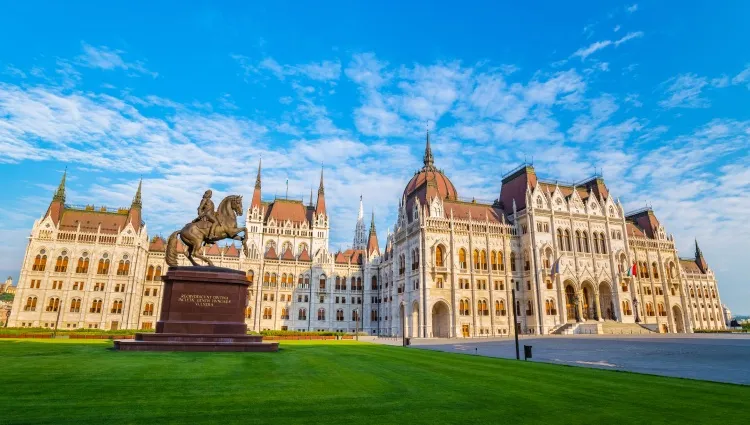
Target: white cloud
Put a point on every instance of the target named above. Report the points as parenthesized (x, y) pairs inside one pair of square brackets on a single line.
[(592, 48), (632, 8), (684, 91), (616, 28), (629, 36), (103, 57), (325, 71), (742, 77)]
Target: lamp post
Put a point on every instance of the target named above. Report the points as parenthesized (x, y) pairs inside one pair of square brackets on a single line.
[(515, 321)]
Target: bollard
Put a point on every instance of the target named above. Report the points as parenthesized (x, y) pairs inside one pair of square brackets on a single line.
[(526, 352)]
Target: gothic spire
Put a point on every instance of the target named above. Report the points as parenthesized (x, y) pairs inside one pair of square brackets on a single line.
[(320, 206), (60, 193), (373, 246), (137, 202), (257, 179), (321, 190), (255, 203), (372, 223), (699, 259), (429, 160)]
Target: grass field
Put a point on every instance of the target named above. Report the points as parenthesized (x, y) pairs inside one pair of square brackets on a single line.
[(337, 382)]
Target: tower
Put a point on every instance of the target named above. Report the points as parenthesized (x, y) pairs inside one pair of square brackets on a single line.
[(360, 234)]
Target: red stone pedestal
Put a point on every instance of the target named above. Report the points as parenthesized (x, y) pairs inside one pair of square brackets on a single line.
[(203, 309)]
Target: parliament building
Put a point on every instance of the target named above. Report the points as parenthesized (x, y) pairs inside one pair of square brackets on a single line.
[(568, 254)]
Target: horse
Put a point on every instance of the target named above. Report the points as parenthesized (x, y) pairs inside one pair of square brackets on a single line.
[(195, 235)]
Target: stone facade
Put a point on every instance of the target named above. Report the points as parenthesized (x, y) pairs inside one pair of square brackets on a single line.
[(568, 253)]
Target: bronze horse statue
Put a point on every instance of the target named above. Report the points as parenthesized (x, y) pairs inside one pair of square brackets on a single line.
[(195, 235)]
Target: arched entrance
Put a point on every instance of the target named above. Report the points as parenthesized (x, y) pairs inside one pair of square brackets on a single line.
[(678, 320), (414, 325), (606, 303), (441, 320), (570, 302), (587, 302)]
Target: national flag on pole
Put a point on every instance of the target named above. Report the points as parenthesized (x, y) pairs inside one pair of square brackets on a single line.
[(555, 267), (632, 270)]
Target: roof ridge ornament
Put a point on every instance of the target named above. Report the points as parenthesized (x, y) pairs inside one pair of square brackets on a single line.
[(429, 160)]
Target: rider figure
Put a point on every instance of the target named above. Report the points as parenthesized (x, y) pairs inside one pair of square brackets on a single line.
[(206, 212)]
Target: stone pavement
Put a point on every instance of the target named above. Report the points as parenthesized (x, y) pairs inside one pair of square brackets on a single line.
[(712, 357)]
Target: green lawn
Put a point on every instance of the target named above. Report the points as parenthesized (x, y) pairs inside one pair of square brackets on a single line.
[(337, 382)]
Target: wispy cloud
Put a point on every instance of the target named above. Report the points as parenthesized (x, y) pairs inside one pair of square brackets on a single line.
[(103, 57), (317, 71), (684, 91), (632, 8), (585, 52)]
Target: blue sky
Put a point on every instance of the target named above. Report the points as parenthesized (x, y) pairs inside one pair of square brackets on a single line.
[(190, 95)]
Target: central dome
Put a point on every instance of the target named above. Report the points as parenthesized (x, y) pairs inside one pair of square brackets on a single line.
[(431, 178)]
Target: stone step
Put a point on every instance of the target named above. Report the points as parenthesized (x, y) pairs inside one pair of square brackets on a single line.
[(177, 337), (130, 345)]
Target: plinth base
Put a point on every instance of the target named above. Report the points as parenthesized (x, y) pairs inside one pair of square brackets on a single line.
[(196, 342)]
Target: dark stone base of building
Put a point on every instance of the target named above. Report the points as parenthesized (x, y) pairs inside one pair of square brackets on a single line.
[(203, 309)]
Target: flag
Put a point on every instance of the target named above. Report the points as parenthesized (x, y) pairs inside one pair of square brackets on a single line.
[(555, 267), (632, 270)]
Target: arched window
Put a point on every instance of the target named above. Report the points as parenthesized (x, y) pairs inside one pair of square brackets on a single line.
[(321, 314), (248, 313), (660, 308), (655, 270), (150, 273), (650, 309), (579, 246), (512, 261), (603, 242), (483, 259), (283, 280), (595, 242), (464, 307), (53, 304), (354, 283), (529, 308), (585, 240), (626, 308), (302, 314), (268, 313), (83, 265), (439, 256), (374, 284), (284, 312), (500, 260), (355, 315), (61, 265), (359, 284), (40, 263), (75, 305), (567, 240), (157, 273), (526, 261), (500, 308), (103, 267), (148, 309), (493, 260), (462, 258), (539, 202), (475, 257), (123, 268), (250, 276), (116, 307), (560, 241), (30, 304), (274, 278), (96, 306), (339, 315)]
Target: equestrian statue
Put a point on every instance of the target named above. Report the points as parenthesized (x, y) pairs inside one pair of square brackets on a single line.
[(209, 227)]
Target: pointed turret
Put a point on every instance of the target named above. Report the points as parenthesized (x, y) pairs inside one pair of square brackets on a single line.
[(372, 241), (255, 203), (429, 160), (135, 214), (699, 260), (57, 205), (320, 206), (359, 230)]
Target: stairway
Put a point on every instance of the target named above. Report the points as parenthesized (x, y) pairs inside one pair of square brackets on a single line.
[(564, 329), (618, 328)]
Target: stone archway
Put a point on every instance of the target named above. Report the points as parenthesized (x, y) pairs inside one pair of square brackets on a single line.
[(570, 302), (588, 306), (414, 320), (606, 303), (679, 324), (441, 320)]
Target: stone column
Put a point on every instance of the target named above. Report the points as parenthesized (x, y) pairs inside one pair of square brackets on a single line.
[(598, 306)]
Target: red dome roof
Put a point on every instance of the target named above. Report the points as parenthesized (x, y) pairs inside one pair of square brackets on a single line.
[(431, 177)]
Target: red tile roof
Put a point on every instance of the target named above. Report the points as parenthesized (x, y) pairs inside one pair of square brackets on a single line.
[(231, 251), (690, 266), (282, 210), (111, 222), (462, 210), (340, 258), (304, 256), (271, 254), (646, 221), (288, 256)]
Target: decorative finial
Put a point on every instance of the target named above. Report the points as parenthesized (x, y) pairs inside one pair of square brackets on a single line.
[(137, 198), (60, 193), (429, 160)]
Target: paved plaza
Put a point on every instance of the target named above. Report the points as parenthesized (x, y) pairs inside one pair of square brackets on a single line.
[(722, 358)]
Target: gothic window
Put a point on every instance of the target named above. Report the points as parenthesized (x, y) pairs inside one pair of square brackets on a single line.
[(462, 258), (322, 282), (249, 313), (61, 265), (75, 305), (30, 304), (512, 261), (655, 270), (157, 273), (339, 315), (626, 308), (526, 261), (321, 314), (116, 307), (103, 267), (650, 309), (374, 284), (529, 308), (464, 307), (53, 304), (355, 315), (96, 306), (560, 243), (500, 260), (250, 276), (539, 202), (415, 213), (150, 273), (567, 240), (475, 258), (123, 268), (603, 241), (268, 313), (273, 280), (148, 309), (482, 308), (83, 265), (578, 241), (493, 260), (439, 256), (500, 308), (302, 314), (585, 241)]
